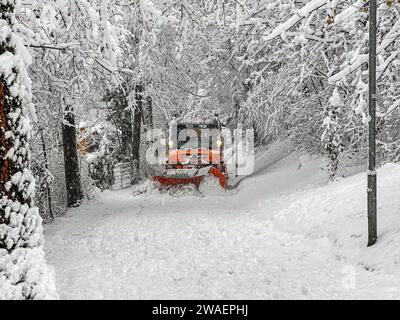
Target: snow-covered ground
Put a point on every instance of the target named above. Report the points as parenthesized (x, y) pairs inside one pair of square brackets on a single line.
[(285, 233)]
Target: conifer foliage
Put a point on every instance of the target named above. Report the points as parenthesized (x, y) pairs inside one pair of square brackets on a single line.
[(23, 271)]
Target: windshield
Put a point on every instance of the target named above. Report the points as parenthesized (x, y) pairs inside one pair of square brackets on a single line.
[(199, 136)]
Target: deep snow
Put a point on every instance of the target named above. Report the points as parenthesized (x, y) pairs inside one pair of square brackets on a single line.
[(285, 233)]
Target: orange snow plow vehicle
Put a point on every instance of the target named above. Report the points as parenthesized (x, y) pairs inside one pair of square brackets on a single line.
[(194, 151)]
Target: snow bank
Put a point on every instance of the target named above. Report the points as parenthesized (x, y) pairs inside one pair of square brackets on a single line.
[(275, 152), (337, 212)]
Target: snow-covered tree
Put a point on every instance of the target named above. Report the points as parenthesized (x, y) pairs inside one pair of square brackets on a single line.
[(311, 46), (333, 132), (23, 270), (76, 53)]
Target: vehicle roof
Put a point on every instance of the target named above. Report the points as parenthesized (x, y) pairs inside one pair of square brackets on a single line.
[(202, 122)]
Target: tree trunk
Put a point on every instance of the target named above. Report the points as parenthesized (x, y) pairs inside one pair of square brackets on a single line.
[(137, 120), (46, 166), (149, 113), (127, 134), (71, 163), (5, 173)]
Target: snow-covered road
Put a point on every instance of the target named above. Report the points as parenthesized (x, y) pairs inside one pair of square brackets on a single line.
[(285, 233)]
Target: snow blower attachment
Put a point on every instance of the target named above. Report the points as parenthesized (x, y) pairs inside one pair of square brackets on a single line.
[(194, 152)]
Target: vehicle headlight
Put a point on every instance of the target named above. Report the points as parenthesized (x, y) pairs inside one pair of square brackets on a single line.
[(163, 141), (219, 143), (170, 144)]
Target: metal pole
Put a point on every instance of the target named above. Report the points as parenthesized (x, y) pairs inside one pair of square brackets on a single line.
[(372, 224)]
